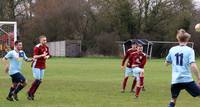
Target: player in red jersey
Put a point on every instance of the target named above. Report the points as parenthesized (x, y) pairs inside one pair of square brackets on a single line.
[(128, 70), (41, 54), (138, 61)]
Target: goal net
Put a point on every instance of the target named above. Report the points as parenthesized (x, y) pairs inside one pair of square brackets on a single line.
[(153, 49), (160, 49), (8, 34)]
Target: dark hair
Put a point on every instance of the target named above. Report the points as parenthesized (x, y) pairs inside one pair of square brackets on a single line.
[(17, 42), (134, 42), (139, 45)]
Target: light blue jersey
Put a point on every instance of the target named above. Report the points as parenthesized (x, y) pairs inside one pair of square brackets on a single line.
[(15, 60), (181, 57)]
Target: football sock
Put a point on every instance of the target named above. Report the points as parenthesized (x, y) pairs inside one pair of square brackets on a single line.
[(38, 82), (124, 83), (137, 91), (19, 87), (133, 85), (34, 87), (141, 81), (11, 90)]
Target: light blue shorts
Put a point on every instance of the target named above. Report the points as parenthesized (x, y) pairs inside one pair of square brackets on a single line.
[(136, 72), (128, 72), (38, 73)]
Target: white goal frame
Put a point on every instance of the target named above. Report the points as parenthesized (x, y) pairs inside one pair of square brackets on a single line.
[(150, 45), (163, 42), (9, 23)]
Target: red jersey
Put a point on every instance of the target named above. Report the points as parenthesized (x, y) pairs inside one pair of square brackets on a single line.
[(39, 50), (127, 56), (138, 58)]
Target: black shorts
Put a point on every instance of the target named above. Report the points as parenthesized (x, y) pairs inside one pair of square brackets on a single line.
[(190, 87), (18, 77)]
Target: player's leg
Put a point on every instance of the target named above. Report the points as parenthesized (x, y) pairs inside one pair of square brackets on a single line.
[(133, 84), (21, 83), (142, 80), (38, 77), (12, 88), (175, 91), (138, 88), (137, 72), (38, 82), (128, 71), (193, 89)]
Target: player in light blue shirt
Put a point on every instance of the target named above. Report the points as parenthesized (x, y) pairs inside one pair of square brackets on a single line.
[(182, 59), (15, 58)]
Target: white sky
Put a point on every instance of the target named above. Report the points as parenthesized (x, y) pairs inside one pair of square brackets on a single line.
[(197, 3)]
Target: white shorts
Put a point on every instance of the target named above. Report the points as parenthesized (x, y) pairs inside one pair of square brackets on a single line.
[(38, 73), (136, 72), (128, 72)]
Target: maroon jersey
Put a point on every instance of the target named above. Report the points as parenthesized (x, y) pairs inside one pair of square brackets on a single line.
[(40, 62), (138, 58), (127, 56)]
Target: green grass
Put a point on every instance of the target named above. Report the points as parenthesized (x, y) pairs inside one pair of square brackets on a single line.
[(94, 82)]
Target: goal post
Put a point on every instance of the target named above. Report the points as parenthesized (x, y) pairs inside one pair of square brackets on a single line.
[(8, 35), (10, 23), (165, 46), (156, 49)]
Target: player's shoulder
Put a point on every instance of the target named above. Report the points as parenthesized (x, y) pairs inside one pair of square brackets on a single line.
[(37, 46), (144, 54), (21, 51), (129, 50)]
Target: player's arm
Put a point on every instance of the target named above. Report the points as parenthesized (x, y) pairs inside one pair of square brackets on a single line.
[(5, 61), (168, 60), (124, 60), (194, 67), (6, 64), (27, 59), (195, 70), (48, 54), (36, 53), (144, 61)]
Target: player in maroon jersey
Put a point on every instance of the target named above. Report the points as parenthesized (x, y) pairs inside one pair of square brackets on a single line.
[(128, 70), (41, 54), (138, 61)]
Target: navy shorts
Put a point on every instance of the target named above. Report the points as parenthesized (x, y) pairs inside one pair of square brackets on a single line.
[(190, 87), (18, 77)]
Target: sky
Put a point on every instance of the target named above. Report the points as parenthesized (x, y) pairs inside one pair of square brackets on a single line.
[(197, 3)]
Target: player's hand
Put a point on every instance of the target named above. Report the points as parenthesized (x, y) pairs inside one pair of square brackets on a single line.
[(6, 69), (46, 57), (44, 54), (198, 81), (33, 59), (122, 67)]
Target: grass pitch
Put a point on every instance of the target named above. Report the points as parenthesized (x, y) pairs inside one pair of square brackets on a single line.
[(94, 82)]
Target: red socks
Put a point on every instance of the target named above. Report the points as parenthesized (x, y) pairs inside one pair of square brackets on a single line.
[(133, 85), (34, 87), (124, 83), (138, 89), (141, 81), (137, 93)]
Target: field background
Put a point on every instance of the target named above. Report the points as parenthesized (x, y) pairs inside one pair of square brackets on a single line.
[(94, 82)]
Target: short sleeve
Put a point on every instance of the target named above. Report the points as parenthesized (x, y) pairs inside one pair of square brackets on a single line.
[(25, 57), (36, 51), (9, 55), (168, 58), (192, 56)]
